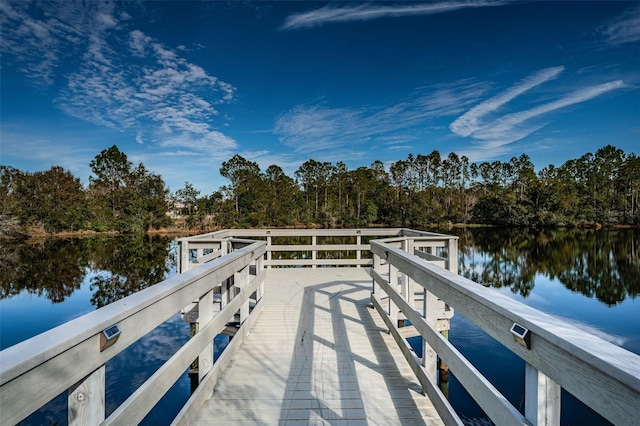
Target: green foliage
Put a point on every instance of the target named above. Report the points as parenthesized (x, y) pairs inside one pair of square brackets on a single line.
[(53, 200), (125, 198), (592, 190)]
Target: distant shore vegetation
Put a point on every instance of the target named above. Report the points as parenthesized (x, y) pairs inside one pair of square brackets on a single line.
[(597, 189)]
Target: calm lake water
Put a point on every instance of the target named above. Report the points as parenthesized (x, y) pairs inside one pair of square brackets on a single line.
[(588, 278)]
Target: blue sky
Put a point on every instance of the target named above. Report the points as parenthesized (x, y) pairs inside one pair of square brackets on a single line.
[(183, 86)]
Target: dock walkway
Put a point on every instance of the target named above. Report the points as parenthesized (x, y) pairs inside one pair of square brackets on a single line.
[(318, 355)]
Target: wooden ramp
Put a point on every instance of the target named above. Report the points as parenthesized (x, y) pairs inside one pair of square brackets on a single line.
[(318, 355)]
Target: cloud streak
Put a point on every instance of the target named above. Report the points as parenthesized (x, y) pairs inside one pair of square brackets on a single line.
[(505, 129), (469, 122), (625, 29), (312, 128), (367, 12), (495, 133)]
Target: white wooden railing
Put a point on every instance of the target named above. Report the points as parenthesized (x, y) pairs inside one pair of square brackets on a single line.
[(414, 276), (72, 357), (557, 355), (318, 250)]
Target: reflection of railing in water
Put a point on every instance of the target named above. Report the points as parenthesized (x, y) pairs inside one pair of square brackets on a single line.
[(557, 355)]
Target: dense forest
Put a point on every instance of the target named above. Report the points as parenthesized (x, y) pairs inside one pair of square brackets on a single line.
[(600, 188)]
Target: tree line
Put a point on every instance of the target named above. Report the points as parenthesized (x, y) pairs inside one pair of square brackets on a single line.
[(419, 191), (120, 197)]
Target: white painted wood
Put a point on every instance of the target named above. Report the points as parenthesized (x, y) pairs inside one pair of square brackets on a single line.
[(376, 266), (72, 349), (542, 398), (452, 259), (183, 258), (86, 400), (316, 232), (319, 262), (429, 387), (244, 282), (318, 355), (208, 257), (135, 408), (499, 410), (432, 258), (207, 385), (314, 249), (259, 269), (322, 247), (205, 310), (605, 377), (393, 283), (429, 356), (404, 279), (269, 251), (602, 375)]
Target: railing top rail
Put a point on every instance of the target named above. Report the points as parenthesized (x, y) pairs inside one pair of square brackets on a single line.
[(575, 341), (22, 357), (279, 232), (550, 335)]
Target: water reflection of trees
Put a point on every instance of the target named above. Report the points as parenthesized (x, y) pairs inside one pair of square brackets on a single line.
[(604, 264), (55, 268), (52, 268), (130, 264)]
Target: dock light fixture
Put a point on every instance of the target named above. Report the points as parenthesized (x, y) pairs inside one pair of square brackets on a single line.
[(109, 336), (521, 335)]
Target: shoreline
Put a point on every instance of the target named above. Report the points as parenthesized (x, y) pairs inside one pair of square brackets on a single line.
[(38, 233)]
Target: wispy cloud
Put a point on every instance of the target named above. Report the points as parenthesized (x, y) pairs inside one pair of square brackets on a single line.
[(311, 128), (367, 12), (116, 76), (491, 136), (506, 129), (625, 29), (469, 122)]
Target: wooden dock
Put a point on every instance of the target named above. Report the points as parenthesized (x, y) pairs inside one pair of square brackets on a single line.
[(318, 341), (318, 354)]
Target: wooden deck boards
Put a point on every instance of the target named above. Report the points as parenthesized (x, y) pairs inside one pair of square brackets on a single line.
[(318, 355)]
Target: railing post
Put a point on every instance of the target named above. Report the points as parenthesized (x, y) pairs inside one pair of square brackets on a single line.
[(243, 281), (429, 356), (393, 282), (376, 267), (358, 252), (407, 283), (269, 249), (86, 400), (314, 252), (205, 315), (542, 398), (224, 285), (259, 268), (452, 255), (183, 256)]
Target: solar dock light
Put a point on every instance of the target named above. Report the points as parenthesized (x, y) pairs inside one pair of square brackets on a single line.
[(109, 336), (521, 335)]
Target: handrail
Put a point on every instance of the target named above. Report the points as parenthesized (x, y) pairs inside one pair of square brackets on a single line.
[(213, 239), (407, 272), (600, 374), (70, 355)]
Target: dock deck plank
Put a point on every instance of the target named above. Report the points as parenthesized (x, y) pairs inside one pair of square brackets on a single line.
[(318, 355)]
